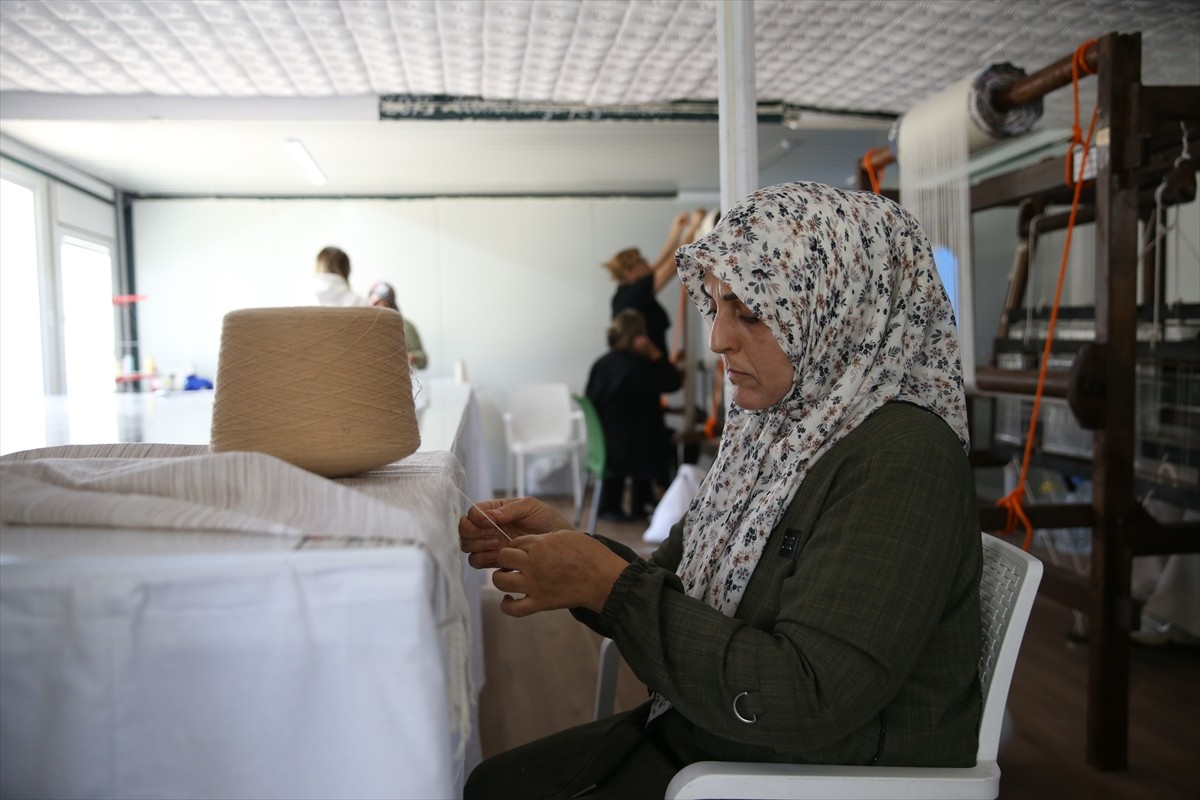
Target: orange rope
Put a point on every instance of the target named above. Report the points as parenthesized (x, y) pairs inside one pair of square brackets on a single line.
[(710, 424), (1078, 63), (664, 401), (1013, 501), (680, 321), (872, 175)]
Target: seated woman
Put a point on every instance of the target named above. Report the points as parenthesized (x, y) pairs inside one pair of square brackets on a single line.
[(819, 602), (624, 385), (383, 295)]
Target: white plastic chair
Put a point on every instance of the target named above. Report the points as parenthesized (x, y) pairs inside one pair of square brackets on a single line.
[(542, 420), (1010, 581)]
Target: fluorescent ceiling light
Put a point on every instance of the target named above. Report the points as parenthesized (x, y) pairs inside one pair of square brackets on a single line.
[(296, 148)]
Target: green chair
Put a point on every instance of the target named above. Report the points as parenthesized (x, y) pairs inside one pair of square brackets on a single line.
[(593, 460)]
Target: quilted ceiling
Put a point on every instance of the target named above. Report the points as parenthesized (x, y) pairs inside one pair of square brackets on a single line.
[(848, 55), (120, 87)]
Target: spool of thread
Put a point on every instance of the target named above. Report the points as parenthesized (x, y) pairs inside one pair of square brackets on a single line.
[(324, 388)]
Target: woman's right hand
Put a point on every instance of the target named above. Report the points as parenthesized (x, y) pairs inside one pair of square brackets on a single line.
[(521, 516)]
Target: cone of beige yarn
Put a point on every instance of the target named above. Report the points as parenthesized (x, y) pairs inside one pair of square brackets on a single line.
[(326, 389)]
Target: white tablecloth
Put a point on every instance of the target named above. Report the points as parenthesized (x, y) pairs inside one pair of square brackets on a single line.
[(272, 675), (143, 662)]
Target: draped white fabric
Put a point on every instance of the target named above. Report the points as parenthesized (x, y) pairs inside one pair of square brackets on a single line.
[(180, 624)]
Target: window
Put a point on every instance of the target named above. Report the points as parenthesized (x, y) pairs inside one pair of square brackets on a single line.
[(89, 338), (22, 377)]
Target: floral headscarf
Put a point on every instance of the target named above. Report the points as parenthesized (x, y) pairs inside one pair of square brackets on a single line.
[(846, 283)]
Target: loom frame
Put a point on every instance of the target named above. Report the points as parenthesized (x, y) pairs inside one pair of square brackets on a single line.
[(1142, 125)]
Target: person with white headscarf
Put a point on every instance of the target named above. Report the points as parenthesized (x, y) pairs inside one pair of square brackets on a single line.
[(819, 601)]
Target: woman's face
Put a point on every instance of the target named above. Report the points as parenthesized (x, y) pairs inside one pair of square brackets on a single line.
[(761, 373)]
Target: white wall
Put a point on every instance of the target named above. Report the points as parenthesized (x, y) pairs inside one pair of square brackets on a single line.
[(514, 288)]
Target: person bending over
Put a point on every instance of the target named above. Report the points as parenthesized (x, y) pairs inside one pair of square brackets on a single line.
[(625, 385), (819, 601)]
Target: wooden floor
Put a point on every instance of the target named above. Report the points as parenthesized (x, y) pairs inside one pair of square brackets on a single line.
[(541, 674)]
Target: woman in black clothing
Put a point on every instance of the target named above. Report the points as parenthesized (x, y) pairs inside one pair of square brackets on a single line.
[(639, 281), (625, 385)]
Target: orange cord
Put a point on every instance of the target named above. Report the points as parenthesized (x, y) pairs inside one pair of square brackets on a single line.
[(1078, 64), (875, 177), (710, 424), (680, 321), (1013, 501), (676, 340)]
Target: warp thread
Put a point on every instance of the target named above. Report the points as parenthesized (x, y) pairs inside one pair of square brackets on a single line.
[(326, 389), (934, 142)]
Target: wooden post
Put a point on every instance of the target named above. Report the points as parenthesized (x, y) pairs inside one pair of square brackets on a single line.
[(1114, 503)]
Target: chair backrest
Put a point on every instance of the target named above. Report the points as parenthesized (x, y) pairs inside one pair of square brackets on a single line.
[(541, 412), (593, 460), (1006, 591)]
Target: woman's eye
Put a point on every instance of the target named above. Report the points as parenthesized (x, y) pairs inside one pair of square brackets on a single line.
[(749, 318)]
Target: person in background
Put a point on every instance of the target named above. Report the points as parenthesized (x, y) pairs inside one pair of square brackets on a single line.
[(819, 601), (332, 279), (639, 281), (383, 295), (624, 385)]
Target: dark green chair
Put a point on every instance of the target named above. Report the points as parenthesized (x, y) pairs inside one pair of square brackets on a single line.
[(593, 460)]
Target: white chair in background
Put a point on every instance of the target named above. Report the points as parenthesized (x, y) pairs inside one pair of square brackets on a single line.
[(1010, 581), (542, 420)]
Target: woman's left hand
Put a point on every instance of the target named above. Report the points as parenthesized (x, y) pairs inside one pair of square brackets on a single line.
[(564, 569)]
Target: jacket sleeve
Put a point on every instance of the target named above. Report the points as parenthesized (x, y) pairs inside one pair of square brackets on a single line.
[(850, 621), (662, 559)]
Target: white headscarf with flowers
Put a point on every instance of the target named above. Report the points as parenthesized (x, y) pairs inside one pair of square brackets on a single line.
[(846, 283)]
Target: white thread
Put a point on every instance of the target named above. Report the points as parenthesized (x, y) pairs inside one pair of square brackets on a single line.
[(481, 511)]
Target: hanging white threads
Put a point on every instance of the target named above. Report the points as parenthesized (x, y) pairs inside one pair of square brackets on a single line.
[(934, 143)]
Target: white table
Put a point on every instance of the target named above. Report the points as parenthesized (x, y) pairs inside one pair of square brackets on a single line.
[(158, 664)]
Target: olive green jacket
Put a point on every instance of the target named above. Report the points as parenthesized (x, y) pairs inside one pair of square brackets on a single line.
[(858, 638)]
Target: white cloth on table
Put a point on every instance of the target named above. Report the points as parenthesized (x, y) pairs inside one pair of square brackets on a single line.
[(184, 488)]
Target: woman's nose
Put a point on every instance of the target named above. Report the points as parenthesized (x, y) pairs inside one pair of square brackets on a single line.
[(719, 338)]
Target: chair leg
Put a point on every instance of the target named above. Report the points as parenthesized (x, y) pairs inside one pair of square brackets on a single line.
[(596, 483), (606, 678), (576, 484), (579, 509)]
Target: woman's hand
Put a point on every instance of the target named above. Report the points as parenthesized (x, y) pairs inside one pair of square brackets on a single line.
[(522, 516), (645, 348), (563, 569), (680, 223)]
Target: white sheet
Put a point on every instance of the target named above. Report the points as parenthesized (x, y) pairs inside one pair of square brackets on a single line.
[(326, 672)]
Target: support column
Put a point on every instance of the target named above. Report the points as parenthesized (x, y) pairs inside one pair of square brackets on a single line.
[(737, 100)]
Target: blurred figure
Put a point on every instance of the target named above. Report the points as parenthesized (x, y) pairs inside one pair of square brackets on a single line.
[(625, 385), (383, 295), (639, 281), (332, 281)]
